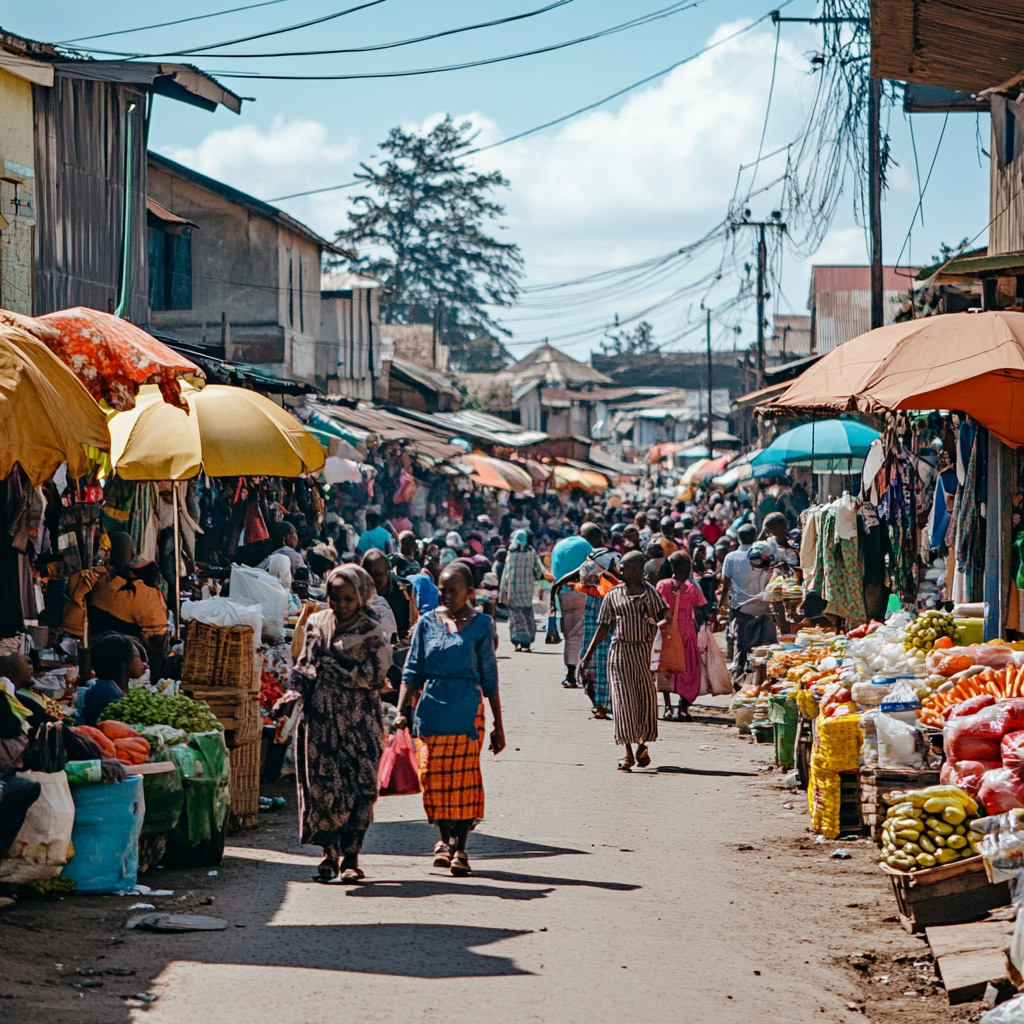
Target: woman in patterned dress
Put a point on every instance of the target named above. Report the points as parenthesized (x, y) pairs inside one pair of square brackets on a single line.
[(523, 568), (340, 675), (451, 661), (635, 611)]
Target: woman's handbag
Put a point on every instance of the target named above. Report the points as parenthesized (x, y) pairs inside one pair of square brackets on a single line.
[(552, 634), (673, 655), (398, 774)]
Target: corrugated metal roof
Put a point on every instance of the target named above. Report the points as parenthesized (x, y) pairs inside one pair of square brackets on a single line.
[(553, 366), (841, 302)]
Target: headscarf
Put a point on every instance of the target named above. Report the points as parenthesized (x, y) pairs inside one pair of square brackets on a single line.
[(520, 540), (358, 577), (454, 540)]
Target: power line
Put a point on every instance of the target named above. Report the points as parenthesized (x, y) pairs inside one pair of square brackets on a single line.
[(634, 23), (248, 39), (402, 42), (629, 88), (167, 24), (920, 200), (314, 191)]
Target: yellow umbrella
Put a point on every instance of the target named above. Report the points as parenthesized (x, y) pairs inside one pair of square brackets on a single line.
[(694, 473), (46, 415), (566, 476), (596, 481), (230, 432)]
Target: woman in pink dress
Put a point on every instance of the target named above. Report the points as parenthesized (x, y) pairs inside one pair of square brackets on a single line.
[(686, 684)]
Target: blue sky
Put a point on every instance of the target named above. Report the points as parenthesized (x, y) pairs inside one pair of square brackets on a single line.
[(645, 174)]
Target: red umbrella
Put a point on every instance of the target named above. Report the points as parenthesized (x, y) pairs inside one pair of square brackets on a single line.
[(110, 356)]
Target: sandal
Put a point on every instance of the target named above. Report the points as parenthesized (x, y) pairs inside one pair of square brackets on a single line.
[(327, 871), (351, 875), (669, 716), (570, 686), (442, 854), (684, 716), (460, 864), (625, 764), (600, 712), (643, 756)]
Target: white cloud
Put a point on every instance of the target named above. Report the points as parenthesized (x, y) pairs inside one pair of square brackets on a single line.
[(289, 157)]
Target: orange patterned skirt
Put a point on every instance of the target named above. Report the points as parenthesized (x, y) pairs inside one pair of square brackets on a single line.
[(453, 788)]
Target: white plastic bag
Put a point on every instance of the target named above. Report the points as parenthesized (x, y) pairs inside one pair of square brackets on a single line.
[(897, 743), (40, 849), (223, 611), (254, 586), (1010, 1012)]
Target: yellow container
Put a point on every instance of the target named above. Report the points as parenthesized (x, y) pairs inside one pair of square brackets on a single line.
[(972, 631)]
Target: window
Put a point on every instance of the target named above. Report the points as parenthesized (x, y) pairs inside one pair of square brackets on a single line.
[(170, 267)]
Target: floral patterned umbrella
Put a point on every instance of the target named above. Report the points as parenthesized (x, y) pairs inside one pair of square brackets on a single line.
[(110, 356)]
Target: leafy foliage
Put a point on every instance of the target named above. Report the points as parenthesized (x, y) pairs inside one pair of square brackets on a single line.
[(420, 229), (638, 341)]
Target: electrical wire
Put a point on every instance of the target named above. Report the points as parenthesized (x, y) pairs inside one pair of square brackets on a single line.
[(314, 191), (246, 39), (768, 105), (401, 42), (553, 47), (629, 88), (920, 200), (167, 24)]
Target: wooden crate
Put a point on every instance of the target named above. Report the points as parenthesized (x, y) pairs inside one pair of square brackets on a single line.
[(850, 816), (946, 894), (245, 785), (220, 656), (875, 782), (237, 711)]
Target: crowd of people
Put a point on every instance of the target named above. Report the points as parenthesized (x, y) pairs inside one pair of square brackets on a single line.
[(409, 635)]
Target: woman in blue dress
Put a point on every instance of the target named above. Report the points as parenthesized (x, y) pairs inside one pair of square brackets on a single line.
[(451, 664)]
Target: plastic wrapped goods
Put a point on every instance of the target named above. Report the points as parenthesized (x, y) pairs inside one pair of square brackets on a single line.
[(977, 737), (897, 743), (967, 774), (1001, 790), (971, 706)]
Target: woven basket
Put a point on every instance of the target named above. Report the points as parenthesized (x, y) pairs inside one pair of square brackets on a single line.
[(245, 785), (237, 711), (220, 656)]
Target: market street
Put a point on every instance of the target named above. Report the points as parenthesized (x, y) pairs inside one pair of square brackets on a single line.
[(597, 896)]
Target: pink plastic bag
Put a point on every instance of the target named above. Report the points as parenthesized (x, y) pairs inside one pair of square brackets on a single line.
[(398, 774), (1001, 790), (966, 774), (1013, 750)]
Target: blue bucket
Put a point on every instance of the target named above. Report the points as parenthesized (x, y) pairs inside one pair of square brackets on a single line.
[(108, 820)]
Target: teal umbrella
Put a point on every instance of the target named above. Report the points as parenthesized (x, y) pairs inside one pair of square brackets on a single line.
[(826, 446)]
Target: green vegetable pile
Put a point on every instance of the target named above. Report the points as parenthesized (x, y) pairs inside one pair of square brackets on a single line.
[(927, 628), (142, 707)]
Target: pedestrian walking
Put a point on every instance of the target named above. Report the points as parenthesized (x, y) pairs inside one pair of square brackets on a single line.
[(451, 663), (523, 568), (566, 557), (594, 578), (340, 675), (635, 611), (684, 596)]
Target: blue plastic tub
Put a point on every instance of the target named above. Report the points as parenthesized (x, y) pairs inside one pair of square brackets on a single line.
[(108, 820)]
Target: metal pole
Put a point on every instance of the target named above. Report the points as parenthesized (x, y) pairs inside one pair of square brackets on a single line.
[(875, 201), (710, 425), (761, 260), (177, 561), (124, 304)]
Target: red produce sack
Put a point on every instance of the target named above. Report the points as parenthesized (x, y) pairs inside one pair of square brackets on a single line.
[(398, 774), (966, 774), (1001, 790), (1012, 746), (971, 706), (976, 737)]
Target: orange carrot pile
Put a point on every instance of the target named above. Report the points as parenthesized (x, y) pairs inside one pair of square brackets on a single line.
[(1008, 682)]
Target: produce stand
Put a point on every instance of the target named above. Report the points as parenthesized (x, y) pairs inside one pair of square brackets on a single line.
[(946, 894)]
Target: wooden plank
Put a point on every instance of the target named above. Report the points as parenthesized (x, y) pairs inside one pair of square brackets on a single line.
[(968, 938), (966, 975)]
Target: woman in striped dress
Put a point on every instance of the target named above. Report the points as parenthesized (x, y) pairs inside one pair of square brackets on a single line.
[(635, 611)]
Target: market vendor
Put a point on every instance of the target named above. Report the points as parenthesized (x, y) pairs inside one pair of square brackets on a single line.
[(115, 660), (286, 542), (114, 597)]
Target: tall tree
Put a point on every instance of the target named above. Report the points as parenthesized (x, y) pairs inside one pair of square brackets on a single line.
[(423, 234)]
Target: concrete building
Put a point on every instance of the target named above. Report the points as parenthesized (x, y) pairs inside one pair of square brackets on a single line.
[(234, 274)]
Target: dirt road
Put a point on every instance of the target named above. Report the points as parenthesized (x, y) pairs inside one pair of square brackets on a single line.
[(597, 896)]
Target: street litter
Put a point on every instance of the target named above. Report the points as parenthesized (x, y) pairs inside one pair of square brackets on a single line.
[(177, 923)]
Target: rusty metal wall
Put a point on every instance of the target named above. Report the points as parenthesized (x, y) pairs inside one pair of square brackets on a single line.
[(80, 171)]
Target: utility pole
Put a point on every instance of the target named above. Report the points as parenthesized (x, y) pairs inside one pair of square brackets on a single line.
[(762, 269), (875, 201), (711, 453)]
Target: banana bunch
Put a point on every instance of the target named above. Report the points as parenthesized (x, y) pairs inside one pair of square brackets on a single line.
[(927, 827)]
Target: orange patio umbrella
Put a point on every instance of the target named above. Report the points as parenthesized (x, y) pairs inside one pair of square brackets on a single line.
[(504, 476), (110, 356), (968, 361)]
